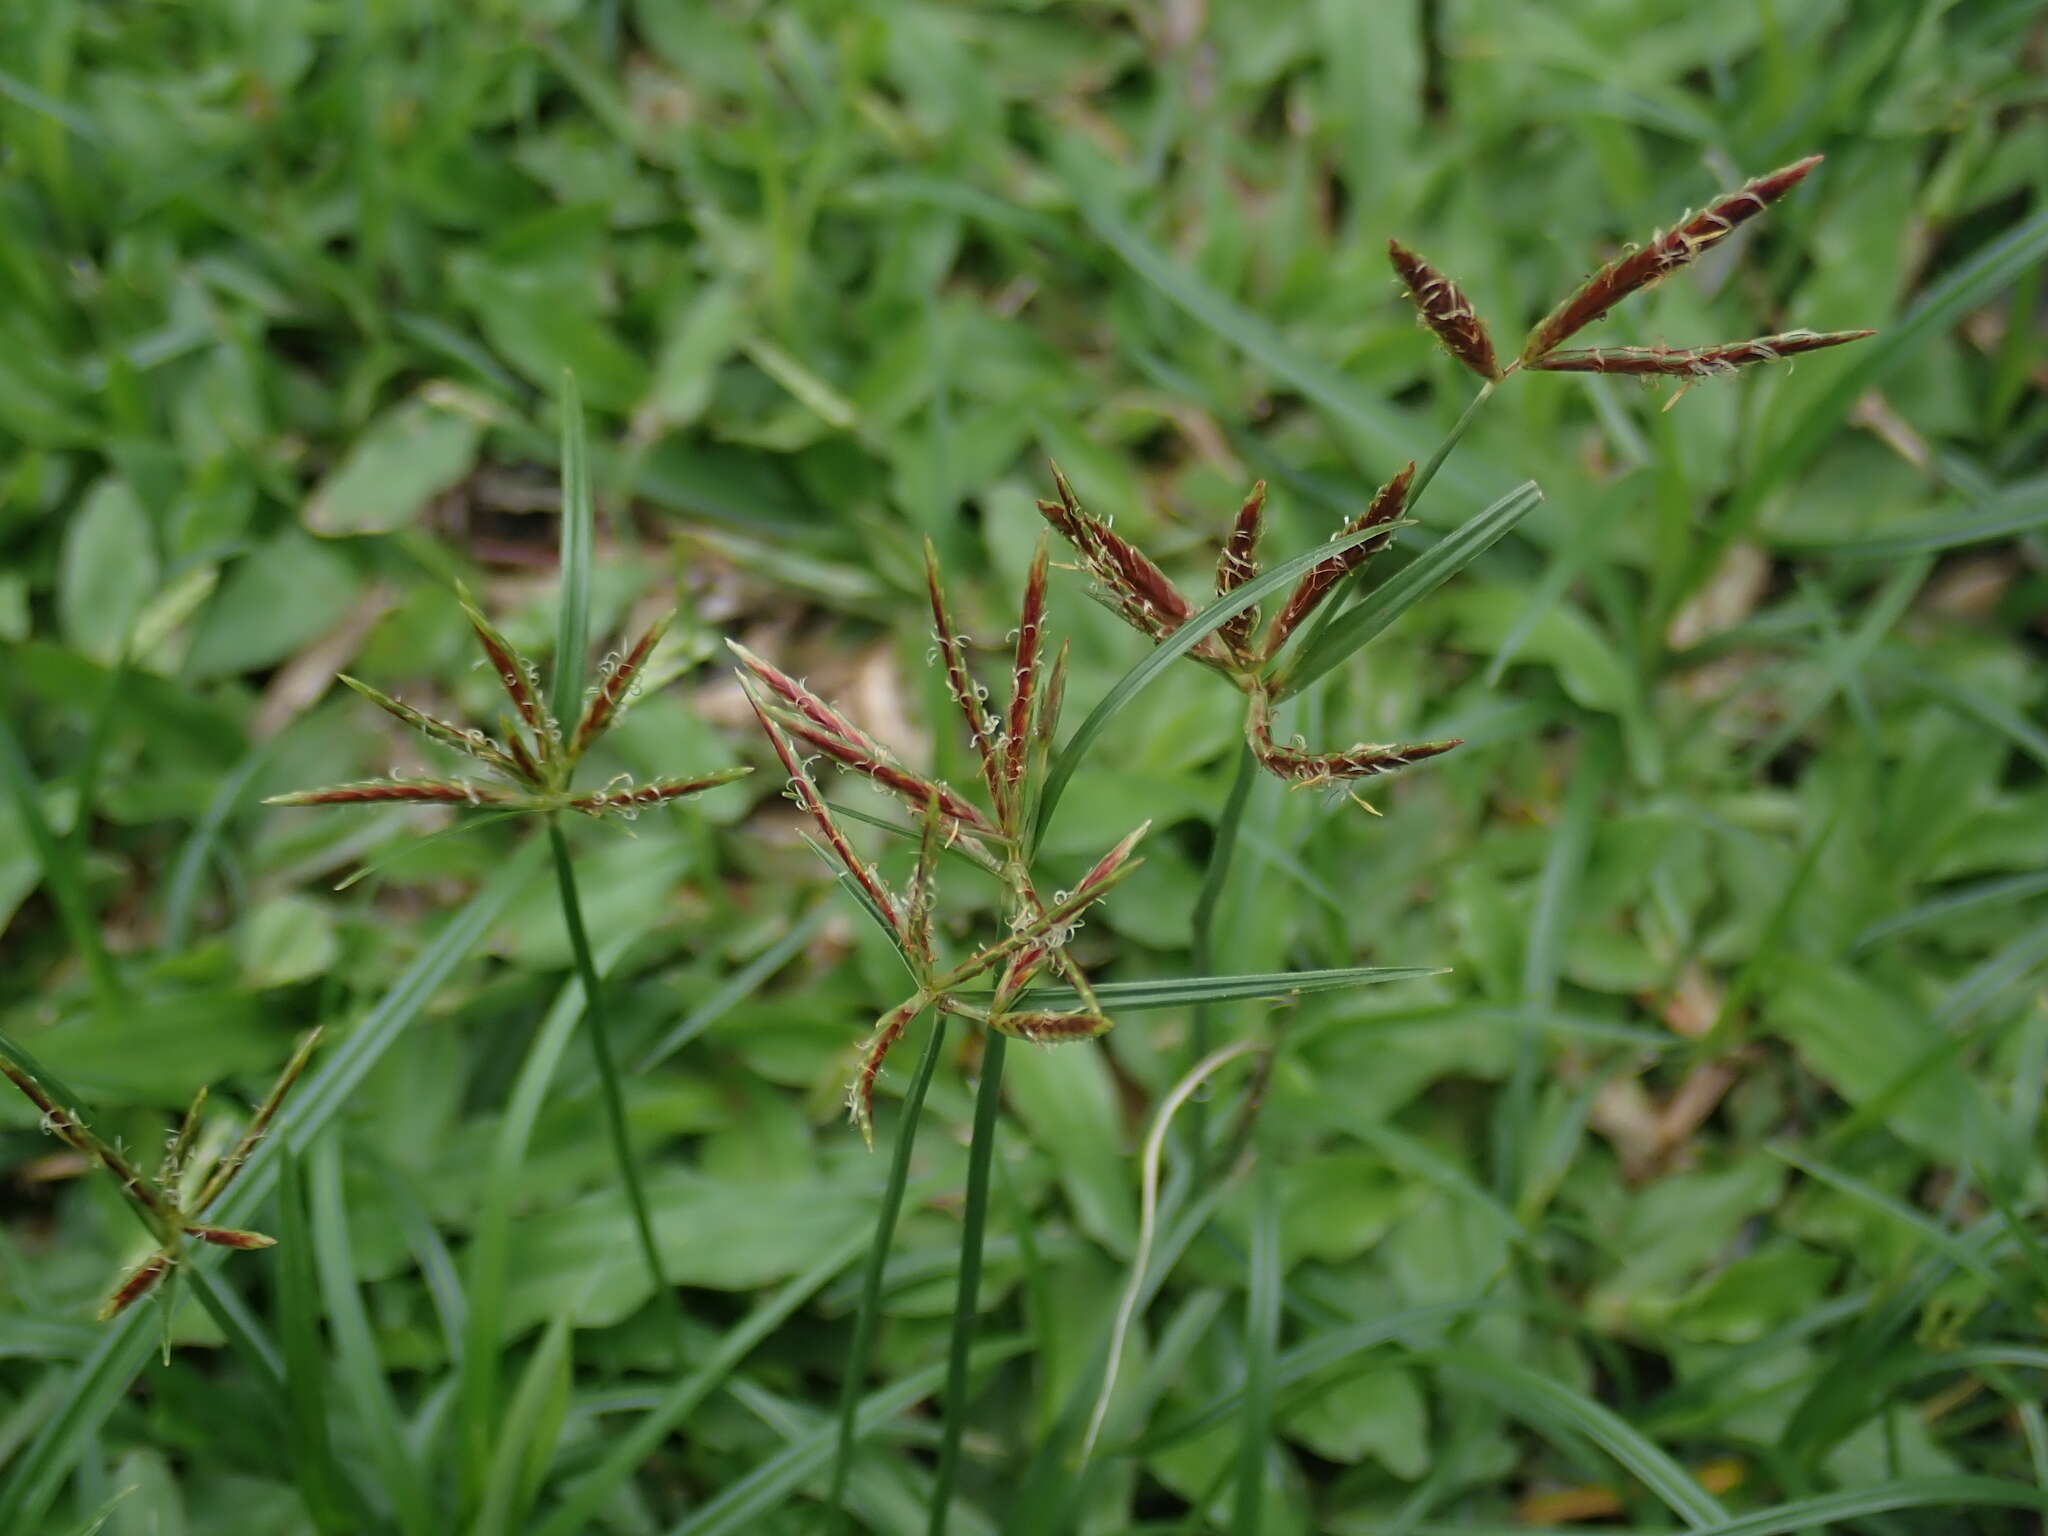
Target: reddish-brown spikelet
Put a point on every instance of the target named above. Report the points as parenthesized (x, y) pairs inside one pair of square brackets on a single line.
[(138, 1283), (1387, 505), (1694, 362), (803, 702), (921, 895), (474, 743), (1142, 593), (860, 1094), (511, 670), (231, 1237), (1107, 866), (885, 772), (522, 758), (1663, 255), (431, 791), (638, 797), (1305, 767), (1017, 974), (604, 701), (1238, 564), (969, 695), (813, 805), (1050, 926), (57, 1120), (74, 1133), (224, 1171), (1024, 669), (1050, 1028), (1442, 306)]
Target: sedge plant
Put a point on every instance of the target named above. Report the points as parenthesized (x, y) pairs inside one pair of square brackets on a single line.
[(530, 766), (173, 1202), (1316, 626)]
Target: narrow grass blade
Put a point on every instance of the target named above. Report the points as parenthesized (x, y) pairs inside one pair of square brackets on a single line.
[(736, 989), (857, 1355), (1973, 705), (327, 1498), (62, 870), (988, 1103), (1968, 1256), (526, 1438), (103, 1377), (1178, 644), (358, 1362), (1406, 587), (181, 894), (740, 1507), (1193, 991), (1969, 286), (2020, 509), (1831, 1509), (572, 634), (1542, 1403), (1384, 430), (489, 1259), (631, 1450), (1327, 1349), (1261, 1345)]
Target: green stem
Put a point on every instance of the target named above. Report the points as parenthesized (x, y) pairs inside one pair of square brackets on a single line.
[(598, 1022), (871, 1277), (1443, 449), (988, 1102), (1202, 938)]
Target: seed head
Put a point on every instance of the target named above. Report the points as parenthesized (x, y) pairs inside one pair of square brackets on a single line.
[(1443, 307), (1664, 254)]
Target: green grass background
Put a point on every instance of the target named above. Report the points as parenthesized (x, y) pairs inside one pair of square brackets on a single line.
[(1747, 843)]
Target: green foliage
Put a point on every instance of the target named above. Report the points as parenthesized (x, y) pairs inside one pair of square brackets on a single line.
[(1686, 1163)]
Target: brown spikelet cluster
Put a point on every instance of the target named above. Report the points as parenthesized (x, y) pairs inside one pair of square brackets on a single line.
[(173, 1201), (1236, 649), (1442, 307), (1662, 255), (1696, 362), (1009, 743), (532, 762)]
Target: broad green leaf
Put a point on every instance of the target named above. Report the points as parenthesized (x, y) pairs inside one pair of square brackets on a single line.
[(285, 594), (406, 457), (109, 570), (286, 939), (1067, 1100)]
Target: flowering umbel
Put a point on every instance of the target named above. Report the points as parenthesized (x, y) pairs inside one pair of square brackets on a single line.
[(1156, 608), (1010, 746), (1132, 585), (1443, 308), (174, 1201), (531, 764)]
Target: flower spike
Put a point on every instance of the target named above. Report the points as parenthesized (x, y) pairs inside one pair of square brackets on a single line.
[(1387, 505), (1694, 362), (1442, 306), (613, 685), (537, 777), (968, 695), (1238, 564), (1665, 254)]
